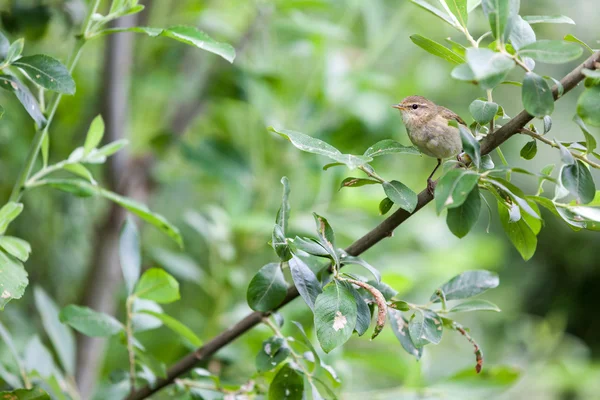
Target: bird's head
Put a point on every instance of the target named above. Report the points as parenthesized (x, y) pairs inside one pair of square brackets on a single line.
[(415, 108)]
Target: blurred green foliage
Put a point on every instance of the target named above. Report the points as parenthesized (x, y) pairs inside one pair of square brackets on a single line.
[(331, 69)]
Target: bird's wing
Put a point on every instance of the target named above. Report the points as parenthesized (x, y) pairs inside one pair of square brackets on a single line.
[(451, 115)]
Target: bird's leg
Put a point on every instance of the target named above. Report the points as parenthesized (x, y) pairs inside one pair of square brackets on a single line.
[(430, 186)]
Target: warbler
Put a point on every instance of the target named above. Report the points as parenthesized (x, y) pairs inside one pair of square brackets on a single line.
[(428, 129)]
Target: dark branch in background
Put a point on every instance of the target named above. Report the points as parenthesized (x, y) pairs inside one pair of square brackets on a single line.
[(380, 232), (129, 176), (105, 275)]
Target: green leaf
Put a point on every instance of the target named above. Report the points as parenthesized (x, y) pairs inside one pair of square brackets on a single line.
[(400, 328), (435, 11), (519, 233), (463, 72), (280, 244), (487, 162), (571, 38), (457, 47), (188, 35), (436, 49), (110, 149), (80, 171), (459, 9), (310, 246), (305, 280), (273, 352), (453, 188), (475, 305), (565, 154), (588, 105), (483, 111), (129, 253), (468, 284), (90, 322), (335, 315), (38, 359), (488, 67), (501, 14), (13, 277), (461, 219), (384, 288), (316, 146), (157, 285), (307, 342), (267, 289), (326, 236), (4, 46), (357, 182), (547, 123), (551, 51), (94, 135), (47, 72), (385, 205), (61, 336), (389, 146), (176, 326), (288, 384), (522, 34), (283, 215), (13, 84), (401, 195), (16, 247), (578, 180), (363, 313), (529, 150), (82, 188), (590, 140), (14, 51), (470, 145), (425, 327), (548, 19), (8, 213), (25, 394), (348, 259), (515, 194), (536, 95)]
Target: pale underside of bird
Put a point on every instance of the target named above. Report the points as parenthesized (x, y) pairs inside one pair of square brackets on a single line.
[(428, 128)]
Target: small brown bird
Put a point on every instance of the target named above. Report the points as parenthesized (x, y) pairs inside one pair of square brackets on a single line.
[(428, 129)]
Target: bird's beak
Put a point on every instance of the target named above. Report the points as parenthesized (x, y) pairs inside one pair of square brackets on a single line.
[(399, 106)]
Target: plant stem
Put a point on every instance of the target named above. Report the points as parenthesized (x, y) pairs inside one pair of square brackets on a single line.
[(38, 139), (490, 99), (542, 139), (130, 351), (371, 174), (297, 358)]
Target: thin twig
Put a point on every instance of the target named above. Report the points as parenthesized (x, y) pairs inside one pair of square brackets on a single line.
[(382, 231), (130, 351), (542, 139)]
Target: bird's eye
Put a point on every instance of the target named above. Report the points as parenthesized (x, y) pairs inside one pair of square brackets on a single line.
[(415, 106)]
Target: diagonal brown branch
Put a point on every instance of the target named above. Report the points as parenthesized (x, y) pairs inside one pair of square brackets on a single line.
[(383, 230)]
